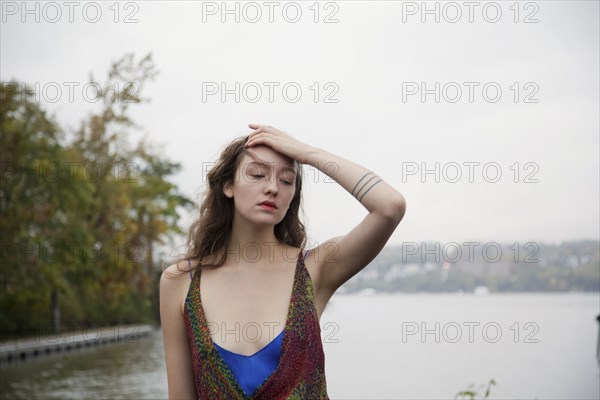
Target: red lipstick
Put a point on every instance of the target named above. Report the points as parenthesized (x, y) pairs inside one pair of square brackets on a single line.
[(269, 204)]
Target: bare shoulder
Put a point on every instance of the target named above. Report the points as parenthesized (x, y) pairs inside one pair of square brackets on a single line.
[(175, 272), (175, 279), (174, 284)]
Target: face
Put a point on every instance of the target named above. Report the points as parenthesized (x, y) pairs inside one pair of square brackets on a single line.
[(265, 175)]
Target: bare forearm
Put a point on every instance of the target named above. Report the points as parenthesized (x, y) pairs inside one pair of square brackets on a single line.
[(368, 188)]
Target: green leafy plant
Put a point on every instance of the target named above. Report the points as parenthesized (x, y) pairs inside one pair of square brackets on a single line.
[(471, 393)]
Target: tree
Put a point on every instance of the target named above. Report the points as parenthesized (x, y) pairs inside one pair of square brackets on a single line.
[(40, 187), (95, 224)]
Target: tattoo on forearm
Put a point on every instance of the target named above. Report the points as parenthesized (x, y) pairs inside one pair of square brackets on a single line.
[(364, 185)]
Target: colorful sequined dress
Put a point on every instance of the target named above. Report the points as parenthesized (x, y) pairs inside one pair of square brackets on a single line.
[(300, 373)]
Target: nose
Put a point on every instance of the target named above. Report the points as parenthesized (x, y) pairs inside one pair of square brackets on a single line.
[(272, 186)]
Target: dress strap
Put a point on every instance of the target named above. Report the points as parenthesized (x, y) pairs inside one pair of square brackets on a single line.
[(306, 252)]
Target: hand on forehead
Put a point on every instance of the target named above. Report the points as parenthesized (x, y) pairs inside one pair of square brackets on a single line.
[(265, 155)]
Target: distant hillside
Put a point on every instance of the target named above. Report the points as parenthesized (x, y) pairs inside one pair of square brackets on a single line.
[(501, 267)]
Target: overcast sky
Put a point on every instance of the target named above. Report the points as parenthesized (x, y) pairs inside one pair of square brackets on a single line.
[(374, 62)]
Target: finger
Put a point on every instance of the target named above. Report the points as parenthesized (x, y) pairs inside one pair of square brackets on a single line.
[(260, 138), (258, 128), (266, 128), (253, 134), (252, 139)]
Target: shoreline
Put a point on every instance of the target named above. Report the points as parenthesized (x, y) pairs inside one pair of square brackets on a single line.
[(34, 347)]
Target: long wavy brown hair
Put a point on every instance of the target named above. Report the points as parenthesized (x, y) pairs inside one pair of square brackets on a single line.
[(210, 232)]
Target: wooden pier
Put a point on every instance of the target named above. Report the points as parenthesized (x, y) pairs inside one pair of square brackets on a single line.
[(69, 341)]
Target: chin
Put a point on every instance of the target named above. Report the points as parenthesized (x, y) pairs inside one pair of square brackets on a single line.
[(265, 220)]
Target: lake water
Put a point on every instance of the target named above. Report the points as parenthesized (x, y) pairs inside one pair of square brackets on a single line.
[(393, 346)]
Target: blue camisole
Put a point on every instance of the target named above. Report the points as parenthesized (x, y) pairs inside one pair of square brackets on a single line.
[(251, 371)]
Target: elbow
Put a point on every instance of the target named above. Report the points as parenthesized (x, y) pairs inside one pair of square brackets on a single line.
[(396, 209)]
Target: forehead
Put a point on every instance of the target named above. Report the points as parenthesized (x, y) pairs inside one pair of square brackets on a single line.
[(265, 155)]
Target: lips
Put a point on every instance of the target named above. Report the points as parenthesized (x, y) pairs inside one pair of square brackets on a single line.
[(268, 203)]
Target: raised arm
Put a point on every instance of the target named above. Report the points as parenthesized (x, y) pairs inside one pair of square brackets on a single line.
[(342, 257)]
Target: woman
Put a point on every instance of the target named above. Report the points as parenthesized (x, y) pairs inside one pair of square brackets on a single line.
[(254, 332)]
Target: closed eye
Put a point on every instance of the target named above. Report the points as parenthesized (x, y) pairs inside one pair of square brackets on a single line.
[(262, 176)]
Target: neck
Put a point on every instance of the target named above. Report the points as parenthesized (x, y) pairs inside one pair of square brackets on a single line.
[(255, 244)]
